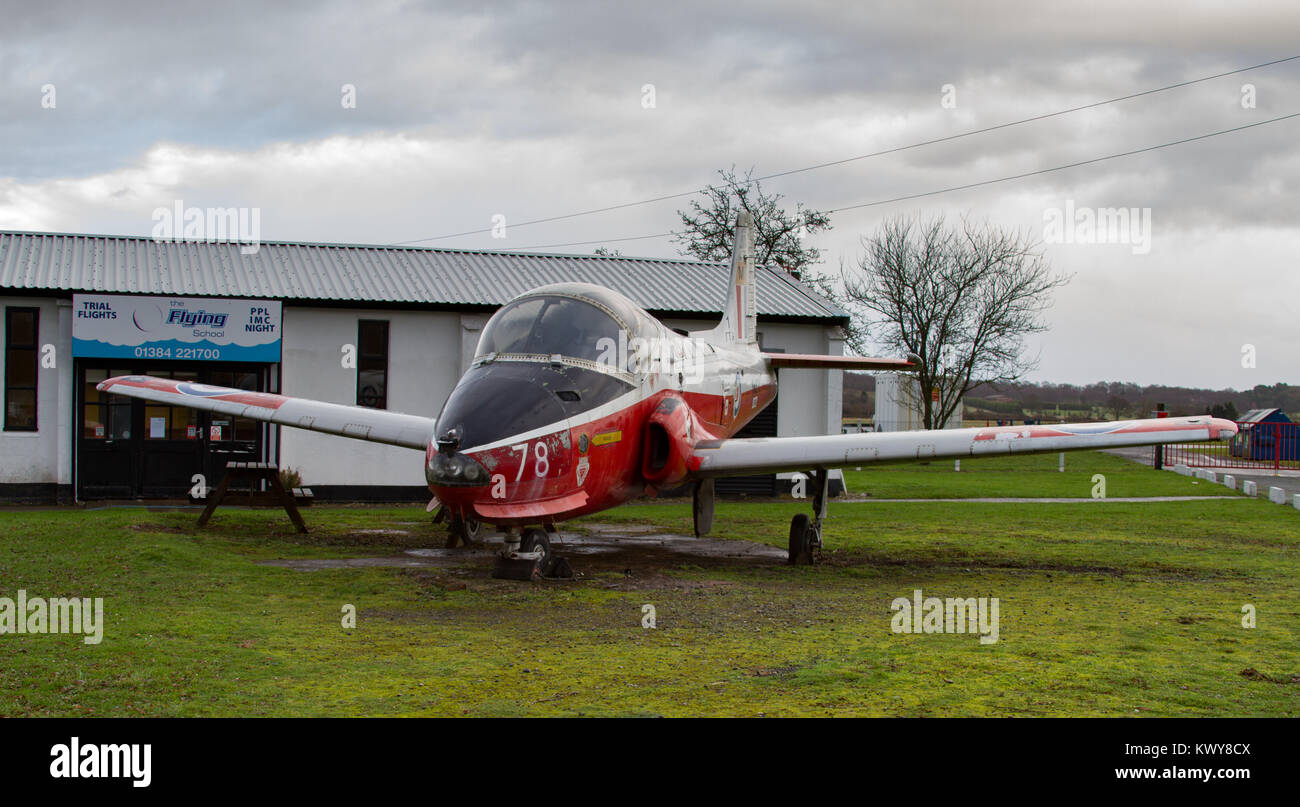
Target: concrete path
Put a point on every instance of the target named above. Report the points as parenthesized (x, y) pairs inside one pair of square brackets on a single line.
[(1049, 500), (1142, 456), (1290, 484), (1288, 480)]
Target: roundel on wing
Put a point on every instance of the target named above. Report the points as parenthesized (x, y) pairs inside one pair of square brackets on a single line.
[(202, 390)]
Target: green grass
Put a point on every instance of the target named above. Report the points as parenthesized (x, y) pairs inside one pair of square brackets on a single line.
[(1028, 476), (1106, 609)]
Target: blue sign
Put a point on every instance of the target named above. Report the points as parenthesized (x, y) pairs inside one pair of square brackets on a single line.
[(114, 326)]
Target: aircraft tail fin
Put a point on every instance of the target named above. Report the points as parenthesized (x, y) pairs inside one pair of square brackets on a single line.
[(740, 317)]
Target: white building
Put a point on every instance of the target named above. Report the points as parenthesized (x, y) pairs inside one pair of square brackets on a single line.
[(898, 405), (392, 327)]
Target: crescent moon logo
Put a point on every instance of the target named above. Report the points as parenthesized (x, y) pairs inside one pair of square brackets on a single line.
[(147, 317)]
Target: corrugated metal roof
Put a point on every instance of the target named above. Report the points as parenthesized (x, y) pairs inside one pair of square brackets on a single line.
[(1258, 415), (363, 273)]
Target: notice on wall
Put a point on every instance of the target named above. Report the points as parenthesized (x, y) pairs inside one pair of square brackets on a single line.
[(157, 428), (124, 326)]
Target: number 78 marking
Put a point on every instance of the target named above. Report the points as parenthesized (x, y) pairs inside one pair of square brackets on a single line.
[(542, 464)]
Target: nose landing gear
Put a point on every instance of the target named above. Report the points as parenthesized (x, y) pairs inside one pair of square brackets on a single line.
[(530, 557), (465, 531)]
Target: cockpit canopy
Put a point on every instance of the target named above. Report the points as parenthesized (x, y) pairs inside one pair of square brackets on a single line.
[(574, 320), (522, 388)]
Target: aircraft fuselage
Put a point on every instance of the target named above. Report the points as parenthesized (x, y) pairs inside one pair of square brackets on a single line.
[(641, 396)]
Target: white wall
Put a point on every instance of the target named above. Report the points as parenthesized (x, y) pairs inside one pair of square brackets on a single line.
[(810, 401), (898, 407), (424, 361), (43, 456)]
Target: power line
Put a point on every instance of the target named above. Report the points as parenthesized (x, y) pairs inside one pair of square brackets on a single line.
[(881, 153), (1031, 120), (589, 243), (1063, 167), (982, 183)]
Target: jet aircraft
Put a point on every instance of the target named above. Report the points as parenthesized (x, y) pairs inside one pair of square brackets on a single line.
[(578, 400)]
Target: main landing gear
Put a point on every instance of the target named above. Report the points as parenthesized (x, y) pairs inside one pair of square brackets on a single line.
[(530, 557), (806, 533), (702, 507)]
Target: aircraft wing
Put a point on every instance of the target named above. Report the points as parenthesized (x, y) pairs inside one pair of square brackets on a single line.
[(738, 457), (808, 361), (358, 422)]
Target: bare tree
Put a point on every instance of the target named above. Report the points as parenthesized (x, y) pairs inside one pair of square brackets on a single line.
[(710, 227), (961, 299)]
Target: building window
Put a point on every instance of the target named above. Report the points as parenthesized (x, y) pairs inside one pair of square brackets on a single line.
[(372, 363), (105, 417), (21, 329)]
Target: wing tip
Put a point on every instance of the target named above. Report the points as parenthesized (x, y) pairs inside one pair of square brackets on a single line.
[(1222, 428)]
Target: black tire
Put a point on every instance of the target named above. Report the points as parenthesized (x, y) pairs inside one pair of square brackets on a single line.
[(537, 540), (800, 545), (465, 531), (702, 507)]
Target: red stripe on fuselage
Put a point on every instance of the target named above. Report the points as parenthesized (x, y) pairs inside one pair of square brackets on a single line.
[(740, 315)]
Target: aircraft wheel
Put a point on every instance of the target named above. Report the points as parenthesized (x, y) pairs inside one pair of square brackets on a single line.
[(801, 549), (465, 531), (536, 540)]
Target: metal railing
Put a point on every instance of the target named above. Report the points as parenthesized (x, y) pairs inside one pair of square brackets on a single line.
[(1258, 446)]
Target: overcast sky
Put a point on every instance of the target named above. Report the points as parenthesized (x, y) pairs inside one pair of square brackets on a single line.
[(466, 111)]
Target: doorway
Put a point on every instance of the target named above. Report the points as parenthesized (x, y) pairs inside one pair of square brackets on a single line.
[(130, 448)]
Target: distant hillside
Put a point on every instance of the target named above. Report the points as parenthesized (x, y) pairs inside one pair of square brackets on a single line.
[(1112, 400)]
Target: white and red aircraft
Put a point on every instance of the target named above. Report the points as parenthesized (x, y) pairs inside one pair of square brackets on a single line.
[(578, 400)]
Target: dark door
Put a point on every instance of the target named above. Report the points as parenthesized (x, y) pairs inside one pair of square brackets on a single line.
[(129, 448), (106, 455)]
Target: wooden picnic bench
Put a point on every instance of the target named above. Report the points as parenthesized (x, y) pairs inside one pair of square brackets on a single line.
[(241, 475)]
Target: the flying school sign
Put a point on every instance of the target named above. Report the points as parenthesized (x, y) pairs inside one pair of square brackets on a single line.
[(112, 326)]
